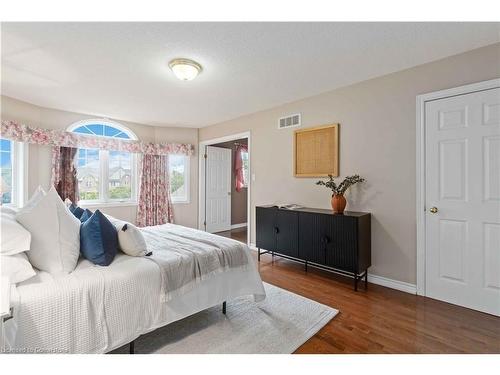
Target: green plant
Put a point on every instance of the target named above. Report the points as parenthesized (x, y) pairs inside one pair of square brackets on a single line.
[(341, 188), (120, 192), (176, 181)]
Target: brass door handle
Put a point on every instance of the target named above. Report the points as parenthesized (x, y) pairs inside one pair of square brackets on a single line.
[(433, 210)]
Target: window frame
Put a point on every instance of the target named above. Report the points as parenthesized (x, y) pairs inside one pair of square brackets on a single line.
[(19, 152), (187, 178), (104, 199)]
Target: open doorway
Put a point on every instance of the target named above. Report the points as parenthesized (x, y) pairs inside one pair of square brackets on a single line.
[(224, 187)]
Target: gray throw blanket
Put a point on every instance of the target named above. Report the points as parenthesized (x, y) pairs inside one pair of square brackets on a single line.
[(188, 256)]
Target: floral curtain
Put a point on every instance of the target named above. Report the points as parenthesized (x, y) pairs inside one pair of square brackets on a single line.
[(238, 167), (64, 177), (49, 137), (155, 204)]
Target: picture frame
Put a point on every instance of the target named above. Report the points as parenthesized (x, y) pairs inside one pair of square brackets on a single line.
[(316, 151)]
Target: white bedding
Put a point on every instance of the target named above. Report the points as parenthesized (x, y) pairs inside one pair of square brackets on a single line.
[(97, 309)]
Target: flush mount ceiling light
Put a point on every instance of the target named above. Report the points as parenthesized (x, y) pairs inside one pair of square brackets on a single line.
[(185, 69)]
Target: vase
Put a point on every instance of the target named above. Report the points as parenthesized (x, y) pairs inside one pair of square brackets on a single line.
[(338, 203)]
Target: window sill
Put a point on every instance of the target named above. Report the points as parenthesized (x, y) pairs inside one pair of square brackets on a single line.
[(181, 202), (106, 204)]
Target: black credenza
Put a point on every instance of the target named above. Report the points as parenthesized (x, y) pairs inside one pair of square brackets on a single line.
[(318, 237)]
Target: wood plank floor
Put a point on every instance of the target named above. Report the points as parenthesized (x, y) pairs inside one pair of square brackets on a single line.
[(382, 320)]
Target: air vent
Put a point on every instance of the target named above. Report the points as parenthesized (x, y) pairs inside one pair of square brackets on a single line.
[(289, 121)]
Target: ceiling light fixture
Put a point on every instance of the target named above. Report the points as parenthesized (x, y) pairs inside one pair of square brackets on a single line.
[(185, 69)]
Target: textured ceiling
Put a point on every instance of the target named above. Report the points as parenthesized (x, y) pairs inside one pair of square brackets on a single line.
[(120, 70)]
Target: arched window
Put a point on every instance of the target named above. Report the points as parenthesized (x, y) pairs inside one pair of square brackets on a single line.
[(102, 128), (105, 176)]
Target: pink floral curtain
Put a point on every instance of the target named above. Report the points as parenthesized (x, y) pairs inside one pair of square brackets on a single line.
[(64, 177), (238, 167), (155, 204), (51, 137)]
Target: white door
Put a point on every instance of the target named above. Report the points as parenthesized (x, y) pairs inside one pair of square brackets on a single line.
[(218, 189), (463, 200)]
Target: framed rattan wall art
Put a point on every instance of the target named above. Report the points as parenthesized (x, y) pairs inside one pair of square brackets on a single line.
[(316, 151)]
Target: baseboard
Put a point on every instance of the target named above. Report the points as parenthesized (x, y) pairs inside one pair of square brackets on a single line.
[(241, 225), (380, 280), (393, 284)]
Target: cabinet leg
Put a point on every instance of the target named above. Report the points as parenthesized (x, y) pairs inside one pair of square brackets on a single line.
[(355, 283), (258, 254), (224, 307), (306, 265), (366, 279), (131, 347)]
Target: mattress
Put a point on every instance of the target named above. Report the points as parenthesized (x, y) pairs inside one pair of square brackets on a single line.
[(96, 309)]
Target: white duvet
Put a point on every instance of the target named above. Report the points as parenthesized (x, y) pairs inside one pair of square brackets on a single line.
[(97, 309)]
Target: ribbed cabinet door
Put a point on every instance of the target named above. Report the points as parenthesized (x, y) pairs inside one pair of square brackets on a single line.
[(312, 245), (265, 228), (287, 233), (341, 251)]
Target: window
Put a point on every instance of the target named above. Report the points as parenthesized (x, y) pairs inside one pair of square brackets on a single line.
[(13, 169), (105, 176), (179, 178), (244, 159)]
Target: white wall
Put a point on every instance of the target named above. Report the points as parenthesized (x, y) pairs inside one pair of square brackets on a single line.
[(40, 156), (377, 140)]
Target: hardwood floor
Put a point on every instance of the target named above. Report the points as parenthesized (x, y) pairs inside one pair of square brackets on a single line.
[(383, 320), (380, 320), (239, 234)]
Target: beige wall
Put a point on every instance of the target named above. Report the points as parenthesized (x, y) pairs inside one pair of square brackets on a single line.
[(40, 156), (377, 140)]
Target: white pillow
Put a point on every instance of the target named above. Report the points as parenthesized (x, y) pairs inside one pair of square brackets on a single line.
[(35, 198), (130, 238), (16, 268), (55, 234), (14, 238)]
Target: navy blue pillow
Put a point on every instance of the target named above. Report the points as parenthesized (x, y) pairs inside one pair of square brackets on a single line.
[(86, 215), (98, 239), (75, 210)]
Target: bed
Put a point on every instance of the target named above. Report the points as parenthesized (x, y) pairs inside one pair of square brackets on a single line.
[(97, 309)]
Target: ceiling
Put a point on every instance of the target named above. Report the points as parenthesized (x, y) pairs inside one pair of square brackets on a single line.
[(120, 70)]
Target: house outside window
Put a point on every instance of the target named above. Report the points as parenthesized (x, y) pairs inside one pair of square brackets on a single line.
[(105, 176)]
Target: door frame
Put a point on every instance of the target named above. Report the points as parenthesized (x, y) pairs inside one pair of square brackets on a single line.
[(420, 170), (202, 172)]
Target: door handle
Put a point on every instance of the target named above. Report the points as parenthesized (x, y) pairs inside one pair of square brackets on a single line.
[(276, 230), (433, 210)]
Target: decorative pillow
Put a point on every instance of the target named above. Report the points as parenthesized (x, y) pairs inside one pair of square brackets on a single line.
[(16, 268), (130, 238), (86, 215), (55, 234), (77, 211), (14, 237), (98, 239), (35, 198)]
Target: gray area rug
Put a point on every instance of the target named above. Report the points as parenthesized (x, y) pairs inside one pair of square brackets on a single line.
[(278, 325)]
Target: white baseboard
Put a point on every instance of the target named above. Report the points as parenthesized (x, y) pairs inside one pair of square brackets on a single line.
[(393, 284), (380, 280), (241, 225)]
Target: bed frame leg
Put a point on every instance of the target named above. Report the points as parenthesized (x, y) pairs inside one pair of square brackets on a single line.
[(224, 307), (132, 347)]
